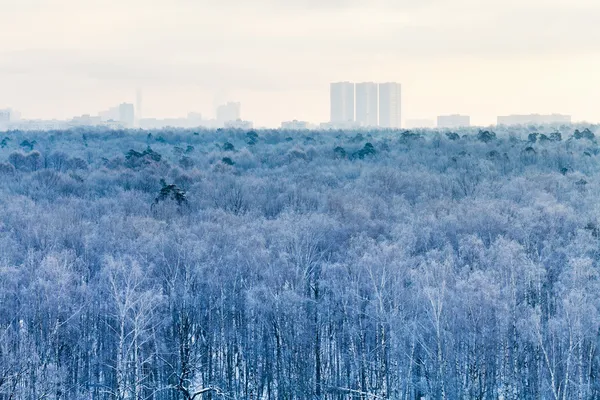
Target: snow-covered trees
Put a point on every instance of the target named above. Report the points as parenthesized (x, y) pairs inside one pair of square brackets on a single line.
[(335, 265)]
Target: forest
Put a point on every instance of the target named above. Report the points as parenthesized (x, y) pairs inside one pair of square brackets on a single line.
[(296, 265)]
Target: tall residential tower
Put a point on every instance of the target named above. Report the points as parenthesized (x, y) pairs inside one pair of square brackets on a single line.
[(390, 105), (366, 104), (342, 102), (127, 115)]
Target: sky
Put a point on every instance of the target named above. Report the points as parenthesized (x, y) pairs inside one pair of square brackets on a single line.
[(60, 58)]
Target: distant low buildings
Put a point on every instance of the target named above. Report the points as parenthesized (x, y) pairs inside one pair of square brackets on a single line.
[(193, 120), (453, 121), (160, 123), (534, 119), (123, 116), (295, 125), (239, 124), (40, 125), (86, 120)]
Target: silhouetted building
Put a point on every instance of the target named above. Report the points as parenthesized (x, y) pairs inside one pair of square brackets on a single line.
[(534, 119), (229, 112), (453, 121), (127, 115), (366, 104), (342, 102), (390, 105)]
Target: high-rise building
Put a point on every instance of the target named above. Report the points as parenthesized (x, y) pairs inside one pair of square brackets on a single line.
[(453, 121), (342, 102), (229, 112), (127, 115), (366, 104), (390, 105), (534, 119)]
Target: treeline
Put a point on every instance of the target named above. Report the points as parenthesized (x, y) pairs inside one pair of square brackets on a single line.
[(300, 265)]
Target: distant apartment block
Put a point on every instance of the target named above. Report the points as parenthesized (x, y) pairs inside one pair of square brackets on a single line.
[(453, 121), (112, 114), (419, 123), (239, 124), (534, 119), (390, 105), (194, 120), (295, 125), (86, 120), (231, 111), (366, 104), (342, 102), (127, 115), (123, 114)]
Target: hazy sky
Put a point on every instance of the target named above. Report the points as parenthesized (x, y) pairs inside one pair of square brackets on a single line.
[(59, 58)]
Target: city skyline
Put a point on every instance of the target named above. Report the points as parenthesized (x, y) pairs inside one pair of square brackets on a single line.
[(126, 116), (360, 95), (406, 120), (263, 56)]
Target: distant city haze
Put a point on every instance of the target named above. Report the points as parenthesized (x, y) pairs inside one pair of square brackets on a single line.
[(64, 58)]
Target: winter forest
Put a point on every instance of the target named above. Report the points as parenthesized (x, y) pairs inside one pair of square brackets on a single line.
[(215, 265)]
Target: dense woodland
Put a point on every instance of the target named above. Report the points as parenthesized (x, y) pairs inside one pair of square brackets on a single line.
[(183, 264)]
